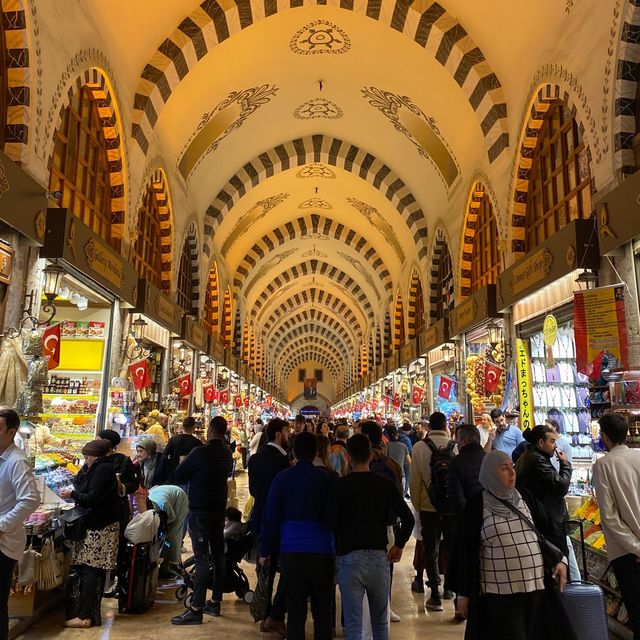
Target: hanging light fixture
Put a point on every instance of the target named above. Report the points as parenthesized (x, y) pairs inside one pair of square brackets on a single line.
[(495, 333), (588, 277), (138, 326)]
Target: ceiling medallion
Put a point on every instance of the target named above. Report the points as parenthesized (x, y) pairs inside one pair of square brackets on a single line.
[(320, 36), (318, 108), (217, 124), (421, 130), (315, 203), (316, 170)]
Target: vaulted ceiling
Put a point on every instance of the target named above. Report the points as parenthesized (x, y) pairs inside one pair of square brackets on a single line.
[(319, 145)]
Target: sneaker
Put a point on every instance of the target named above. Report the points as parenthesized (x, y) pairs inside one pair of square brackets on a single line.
[(188, 617), (433, 604), (448, 595), (393, 616), (417, 586), (212, 608)]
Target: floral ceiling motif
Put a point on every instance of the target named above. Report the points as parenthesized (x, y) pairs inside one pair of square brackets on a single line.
[(318, 108), (318, 37)]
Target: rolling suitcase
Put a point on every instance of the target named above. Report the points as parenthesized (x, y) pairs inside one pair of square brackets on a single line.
[(141, 578), (584, 603)]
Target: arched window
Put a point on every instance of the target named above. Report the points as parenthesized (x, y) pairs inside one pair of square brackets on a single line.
[(485, 260), (185, 280), (147, 255), (80, 166), (560, 183), (443, 283)]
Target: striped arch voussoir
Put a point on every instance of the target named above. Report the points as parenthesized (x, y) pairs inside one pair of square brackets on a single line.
[(191, 239), (97, 83), (469, 233), (415, 306), (313, 333), (543, 99), (18, 72), (439, 246), (425, 23)]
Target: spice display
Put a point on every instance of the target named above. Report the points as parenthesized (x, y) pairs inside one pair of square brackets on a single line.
[(38, 372)]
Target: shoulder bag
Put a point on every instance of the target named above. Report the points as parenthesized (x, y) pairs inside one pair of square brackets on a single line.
[(74, 523)]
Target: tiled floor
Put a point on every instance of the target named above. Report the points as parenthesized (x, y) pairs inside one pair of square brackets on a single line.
[(236, 621)]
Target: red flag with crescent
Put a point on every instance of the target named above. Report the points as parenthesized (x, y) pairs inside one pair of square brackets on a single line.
[(209, 392), (51, 345), (396, 400), (417, 394), (269, 401), (224, 396), (237, 401), (492, 374), (184, 382), (246, 401), (139, 371), (444, 389)]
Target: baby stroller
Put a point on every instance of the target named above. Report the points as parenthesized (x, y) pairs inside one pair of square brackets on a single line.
[(236, 580)]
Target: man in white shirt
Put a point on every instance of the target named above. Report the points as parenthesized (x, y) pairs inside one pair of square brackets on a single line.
[(18, 499), (616, 478)]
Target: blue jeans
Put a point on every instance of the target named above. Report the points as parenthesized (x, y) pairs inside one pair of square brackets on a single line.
[(361, 572), (207, 540)]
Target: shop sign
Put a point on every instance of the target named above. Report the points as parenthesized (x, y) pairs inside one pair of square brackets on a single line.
[(549, 336), (216, 348), (6, 260), (434, 336), (194, 334), (524, 384), (531, 271), (68, 238), (475, 309), (155, 305), (408, 352), (600, 330), (23, 202)]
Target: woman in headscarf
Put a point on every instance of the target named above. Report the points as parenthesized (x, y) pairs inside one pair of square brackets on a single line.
[(497, 568), (94, 488), (155, 467)]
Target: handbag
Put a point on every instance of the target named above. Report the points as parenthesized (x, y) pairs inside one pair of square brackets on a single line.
[(259, 606), (74, 523), (551, 555)]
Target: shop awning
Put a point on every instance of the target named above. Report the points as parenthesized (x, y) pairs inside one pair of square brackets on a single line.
[(23, 202), (619, 215), (69, 239), (573, 247)]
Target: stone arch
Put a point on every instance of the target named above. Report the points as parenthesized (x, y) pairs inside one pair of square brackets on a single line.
[(102, 92), (543, 98), (226, 326), (388, 336), (313, 332), (15, 18), (331, 151), (626, 81), (399, 335), (190, 246), (415, 304), (311, 224), (440, 248), (427, 24), (212, 301)]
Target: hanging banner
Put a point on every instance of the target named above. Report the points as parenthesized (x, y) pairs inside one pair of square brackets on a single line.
[(492, 375), (237, 401), (525, 395), (600, 329), (417, 394), (224, 396), (209, 392), (445, 387), (139, 371), (184, 383), (51, 346)]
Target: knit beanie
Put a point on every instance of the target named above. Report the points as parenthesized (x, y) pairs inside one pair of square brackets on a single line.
[(96, 448)]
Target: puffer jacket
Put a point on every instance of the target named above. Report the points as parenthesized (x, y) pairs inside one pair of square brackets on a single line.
[(535, 473), (462, 478)]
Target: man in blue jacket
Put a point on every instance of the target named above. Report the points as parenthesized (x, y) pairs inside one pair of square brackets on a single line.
[(292, 522)]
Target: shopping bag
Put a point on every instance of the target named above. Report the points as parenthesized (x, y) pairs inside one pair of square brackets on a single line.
[(259, 606), (28, 567), (143, 527)]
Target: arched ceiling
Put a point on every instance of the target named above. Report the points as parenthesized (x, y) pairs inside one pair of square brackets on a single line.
[(319, 145)]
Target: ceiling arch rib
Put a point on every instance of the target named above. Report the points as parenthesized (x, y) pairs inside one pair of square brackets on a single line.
[(320, 333), (302, 228), (428, 24), (320, 339), (309, 356), (320, 346), (316, 317), (331, 151), (321, 273), (345, 315)]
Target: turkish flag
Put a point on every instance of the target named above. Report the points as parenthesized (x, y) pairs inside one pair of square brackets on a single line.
[(224, 396), (492, 374), (417, 394), (209, 392), (246, 401), (444, 390), (237, 401), (139, 371), (184, 382), (51, 345), (269, 401), (396, 400)]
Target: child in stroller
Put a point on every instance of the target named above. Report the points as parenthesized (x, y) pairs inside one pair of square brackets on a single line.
[(237, 543)]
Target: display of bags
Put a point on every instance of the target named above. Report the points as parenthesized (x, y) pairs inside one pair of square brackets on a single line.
[(51, 574)]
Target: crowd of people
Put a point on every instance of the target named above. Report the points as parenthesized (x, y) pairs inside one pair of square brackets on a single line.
[(335, 504)]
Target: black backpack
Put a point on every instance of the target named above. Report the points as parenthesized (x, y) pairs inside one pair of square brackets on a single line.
[(437, 490)]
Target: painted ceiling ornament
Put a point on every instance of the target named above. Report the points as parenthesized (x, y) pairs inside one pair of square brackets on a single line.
[(316, 170), (314, 253), (320, 36), (358, 265), (421, 130), (214, 126), (318, 108), (270, 264), (315, 203)]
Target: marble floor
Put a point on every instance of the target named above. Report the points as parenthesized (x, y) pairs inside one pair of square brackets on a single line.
[(236, 621)]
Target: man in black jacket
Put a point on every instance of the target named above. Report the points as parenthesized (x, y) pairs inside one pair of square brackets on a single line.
[(206, 470), (535, 472), (464, 470), (181, 445), (264, 466)]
